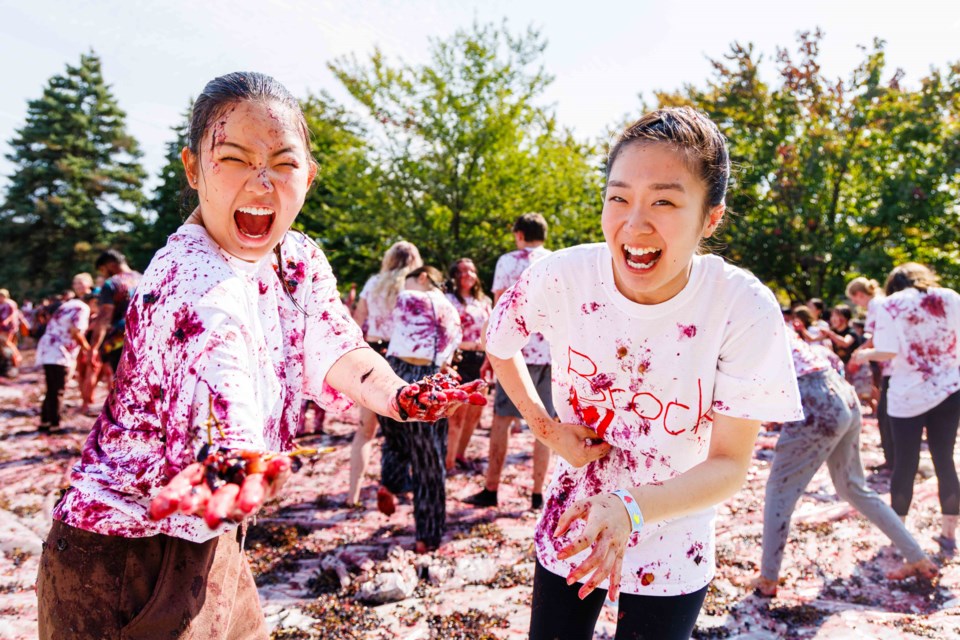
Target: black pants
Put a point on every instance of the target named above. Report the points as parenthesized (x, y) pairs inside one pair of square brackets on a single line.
[(941, 423), (413, 455), (883, 423), (56, 382), (559, 614)]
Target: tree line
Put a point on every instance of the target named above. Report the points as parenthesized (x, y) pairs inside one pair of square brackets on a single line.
[(832, 177)]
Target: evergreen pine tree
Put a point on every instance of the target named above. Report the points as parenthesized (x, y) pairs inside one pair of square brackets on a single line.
[(76, 185), (168, 206)]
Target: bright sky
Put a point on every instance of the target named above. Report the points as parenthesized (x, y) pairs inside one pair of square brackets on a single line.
[(157, 55)]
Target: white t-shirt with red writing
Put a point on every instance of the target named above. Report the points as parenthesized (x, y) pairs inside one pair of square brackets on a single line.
[(57, 345), (922, 329), (510, 266), (648, 378)]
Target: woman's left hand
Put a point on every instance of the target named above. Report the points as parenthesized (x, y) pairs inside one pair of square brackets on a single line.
[(607, 531)]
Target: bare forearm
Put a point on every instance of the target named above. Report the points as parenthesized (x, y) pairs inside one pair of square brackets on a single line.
[(513, 376), (712, 481), (709, 483), (368, 379)]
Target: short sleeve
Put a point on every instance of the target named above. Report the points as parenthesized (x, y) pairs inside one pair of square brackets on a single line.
[(83, 318), (519, 312), (107, 293), (367, 288), (885, 337), (756, 378), (501, 275), (330, 334)]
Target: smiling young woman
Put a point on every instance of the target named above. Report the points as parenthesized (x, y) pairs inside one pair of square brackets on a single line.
[(659, 388)]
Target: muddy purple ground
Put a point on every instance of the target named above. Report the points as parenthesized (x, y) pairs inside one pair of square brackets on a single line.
[(323, 567)]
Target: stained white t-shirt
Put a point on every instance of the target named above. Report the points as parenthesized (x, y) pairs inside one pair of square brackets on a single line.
[(425, 326), (870, 326), (922, 329), (57, 345), (648, 378), (473, 315), (379, 313), (205, 328), (510, 266)]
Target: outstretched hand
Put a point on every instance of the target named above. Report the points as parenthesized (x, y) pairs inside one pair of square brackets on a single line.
[(225, 485), (607, 531), (436, 397)]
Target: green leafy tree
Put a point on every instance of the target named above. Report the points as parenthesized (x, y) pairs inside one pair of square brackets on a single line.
[(169, 205), (462, 146), (76, 183), (343, 209), (834, 178)]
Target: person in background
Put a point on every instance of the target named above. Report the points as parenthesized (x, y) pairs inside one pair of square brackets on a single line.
[(115, 296), (841, 335), (425, 335), (374, 314), (829, 432), (529, 235), (10, 327), (57, 350), (465, 292), (918, 327), (817, 324)]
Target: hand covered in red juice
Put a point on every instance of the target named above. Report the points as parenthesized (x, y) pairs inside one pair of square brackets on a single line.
[(436, 397)]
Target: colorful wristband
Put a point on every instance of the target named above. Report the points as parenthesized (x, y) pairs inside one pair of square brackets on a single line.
[(633, 510)]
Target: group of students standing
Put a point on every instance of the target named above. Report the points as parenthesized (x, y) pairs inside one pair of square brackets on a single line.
[(423, 324), (659, 391), (82, 332)]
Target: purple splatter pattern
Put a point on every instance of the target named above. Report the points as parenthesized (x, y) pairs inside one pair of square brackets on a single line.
[(686, 330)]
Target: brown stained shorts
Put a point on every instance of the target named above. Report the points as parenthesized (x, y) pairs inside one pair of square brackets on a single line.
[(93, 586)]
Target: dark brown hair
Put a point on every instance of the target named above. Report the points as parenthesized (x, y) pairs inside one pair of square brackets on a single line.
[(910, 274), (454, 282), (533, 226), (433, 275), (693, 134)]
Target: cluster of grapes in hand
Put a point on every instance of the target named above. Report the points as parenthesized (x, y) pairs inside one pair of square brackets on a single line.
[(427, 400), (224, 483), (233, 483)]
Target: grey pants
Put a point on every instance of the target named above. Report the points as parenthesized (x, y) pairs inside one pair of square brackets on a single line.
[(830, 432)]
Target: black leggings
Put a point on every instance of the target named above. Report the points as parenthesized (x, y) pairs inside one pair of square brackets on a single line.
[(559, 614), (56, 376), (941, 423)]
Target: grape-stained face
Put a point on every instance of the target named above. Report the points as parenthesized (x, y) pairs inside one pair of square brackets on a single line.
[(653, 220), (252, 173)]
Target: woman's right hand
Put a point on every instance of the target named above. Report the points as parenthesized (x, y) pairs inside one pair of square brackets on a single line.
[(189, 493), (577, 444)]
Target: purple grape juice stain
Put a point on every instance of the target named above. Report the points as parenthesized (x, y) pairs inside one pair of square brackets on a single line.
[(187, 324), (601, 382), (686, 330), (933, 304)]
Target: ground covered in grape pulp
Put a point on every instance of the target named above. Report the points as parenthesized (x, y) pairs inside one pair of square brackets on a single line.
[(328, 571)]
